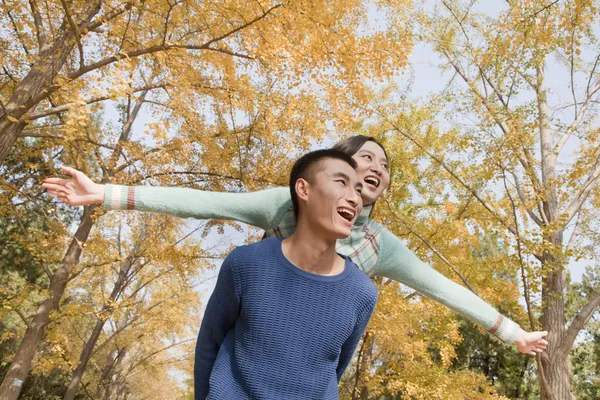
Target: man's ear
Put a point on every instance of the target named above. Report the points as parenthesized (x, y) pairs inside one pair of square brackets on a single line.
[(302, 189)]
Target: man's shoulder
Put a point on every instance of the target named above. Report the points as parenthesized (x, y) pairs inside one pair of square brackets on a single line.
[(259, 249), (364, 285)]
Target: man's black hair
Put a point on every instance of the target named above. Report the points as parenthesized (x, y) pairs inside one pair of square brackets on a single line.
[(306, 168)]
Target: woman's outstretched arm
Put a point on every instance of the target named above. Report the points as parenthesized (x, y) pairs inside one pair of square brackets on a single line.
[(397, 262), (263, 209)]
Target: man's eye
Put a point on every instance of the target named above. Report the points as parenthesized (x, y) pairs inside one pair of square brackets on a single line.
[(343, 182)]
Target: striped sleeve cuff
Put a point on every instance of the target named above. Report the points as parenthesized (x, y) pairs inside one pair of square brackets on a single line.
[(117, 197), (505, 329)]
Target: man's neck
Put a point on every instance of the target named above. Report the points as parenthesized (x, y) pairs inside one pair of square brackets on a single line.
[(308, 250)]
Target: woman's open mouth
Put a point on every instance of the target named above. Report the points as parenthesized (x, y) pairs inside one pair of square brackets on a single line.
[(372, 181)]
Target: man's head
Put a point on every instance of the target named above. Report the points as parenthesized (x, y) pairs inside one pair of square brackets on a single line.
[(326, 191)]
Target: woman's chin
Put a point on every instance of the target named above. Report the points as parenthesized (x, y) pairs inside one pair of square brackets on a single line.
[(368, 200)]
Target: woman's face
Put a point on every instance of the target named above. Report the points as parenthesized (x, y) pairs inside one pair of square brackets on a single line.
[(372, 170)]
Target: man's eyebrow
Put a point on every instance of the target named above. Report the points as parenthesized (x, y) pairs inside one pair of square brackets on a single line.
[(347, 178), (341, 175)]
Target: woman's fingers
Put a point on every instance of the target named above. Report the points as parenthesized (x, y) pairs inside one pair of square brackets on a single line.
[(71, 171), (58, 193), (57, 181), (58, 188)]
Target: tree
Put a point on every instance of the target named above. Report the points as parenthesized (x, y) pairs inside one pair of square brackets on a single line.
[(585, 357), (24, 224), (233, 85), (412, 343), (512, 157), (60, 48), (140, 307)]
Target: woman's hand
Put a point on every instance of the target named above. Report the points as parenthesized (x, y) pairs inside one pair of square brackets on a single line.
[(531, 342), (79, 191)]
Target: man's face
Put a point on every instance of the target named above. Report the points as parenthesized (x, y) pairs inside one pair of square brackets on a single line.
[(333, 199)]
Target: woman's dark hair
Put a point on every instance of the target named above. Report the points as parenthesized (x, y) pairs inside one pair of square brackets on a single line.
[(352, 144)]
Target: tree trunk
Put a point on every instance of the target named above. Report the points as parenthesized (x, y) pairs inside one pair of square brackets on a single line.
[(113, 379), (85, 356), (556, 370), (554, 378), (111, 359), (556, 364), (88, 347), (21, 363)]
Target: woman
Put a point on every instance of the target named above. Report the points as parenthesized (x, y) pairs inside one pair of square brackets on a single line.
[(372, 247)]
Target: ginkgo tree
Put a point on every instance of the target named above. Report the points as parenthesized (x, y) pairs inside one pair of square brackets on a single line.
[(230, 85), (519, 146), (409, 348), (52, 51)]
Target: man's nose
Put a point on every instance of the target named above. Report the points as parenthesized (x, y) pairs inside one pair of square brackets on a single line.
[(353, 197)]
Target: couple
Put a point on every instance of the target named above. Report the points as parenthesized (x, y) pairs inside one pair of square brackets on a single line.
[(374, 249)]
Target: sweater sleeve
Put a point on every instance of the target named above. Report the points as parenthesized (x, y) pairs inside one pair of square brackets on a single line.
[(221, 314), (349, 346), (263, 209), (397, 262)]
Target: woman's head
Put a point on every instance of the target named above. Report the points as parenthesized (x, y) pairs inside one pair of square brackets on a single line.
[(372, 164)]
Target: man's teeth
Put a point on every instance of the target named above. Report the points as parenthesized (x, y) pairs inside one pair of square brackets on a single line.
[(346, 213), (372, 180)]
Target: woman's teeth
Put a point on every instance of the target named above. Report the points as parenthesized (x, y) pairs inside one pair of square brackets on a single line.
[(372, 180)]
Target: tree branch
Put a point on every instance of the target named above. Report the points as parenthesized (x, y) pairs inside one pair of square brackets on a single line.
[(464, 184), (38, 22), (76, 32), (167, 47), (14, 25), (530, 212), (93, 25), (579, 322), (437, 253), (578, 119), (584, 192), (64, 107)]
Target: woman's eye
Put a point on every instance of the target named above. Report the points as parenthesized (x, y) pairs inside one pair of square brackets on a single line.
[(386, 166), (368, 157)]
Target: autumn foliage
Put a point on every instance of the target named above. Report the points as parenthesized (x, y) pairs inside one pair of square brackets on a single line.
[(223, 95)]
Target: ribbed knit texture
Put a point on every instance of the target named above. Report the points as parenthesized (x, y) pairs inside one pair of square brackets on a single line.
[(274, 331), (374, 249)]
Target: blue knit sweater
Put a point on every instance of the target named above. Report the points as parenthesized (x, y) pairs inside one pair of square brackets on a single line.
[(274, 331)]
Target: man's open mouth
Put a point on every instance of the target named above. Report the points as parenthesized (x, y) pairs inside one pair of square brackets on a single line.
[(346, 213)]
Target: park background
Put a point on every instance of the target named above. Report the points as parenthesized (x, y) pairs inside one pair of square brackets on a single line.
[(487, 110)]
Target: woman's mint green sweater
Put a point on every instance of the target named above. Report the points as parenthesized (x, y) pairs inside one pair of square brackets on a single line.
[(372, 247)]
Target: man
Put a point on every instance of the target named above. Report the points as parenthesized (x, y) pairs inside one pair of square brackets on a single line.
[(286, 315)]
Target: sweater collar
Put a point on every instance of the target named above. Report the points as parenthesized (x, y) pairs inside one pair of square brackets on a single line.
[(363, 217)]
